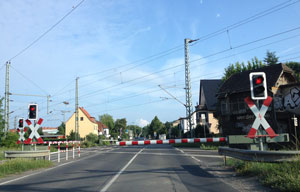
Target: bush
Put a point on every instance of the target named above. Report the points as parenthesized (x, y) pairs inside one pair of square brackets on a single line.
[(87, 144), (101, 142), (93, 138), (10, 141)]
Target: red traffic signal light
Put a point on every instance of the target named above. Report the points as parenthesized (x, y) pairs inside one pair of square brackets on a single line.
[(259, 80), (258, 85), (33, 110), (21, 123)]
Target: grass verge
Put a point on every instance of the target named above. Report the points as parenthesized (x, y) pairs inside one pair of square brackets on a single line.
[(283, 176), (20, 165)]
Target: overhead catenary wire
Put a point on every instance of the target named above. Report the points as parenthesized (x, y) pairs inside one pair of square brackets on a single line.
[(47, 31), (213, 34), (297, 1), (211, 55), (277, 41), (243, 21), (247, 20), (29, 80)]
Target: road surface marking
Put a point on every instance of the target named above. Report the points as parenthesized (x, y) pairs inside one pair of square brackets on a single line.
[(19, 178), (120, 172), (167, 154)]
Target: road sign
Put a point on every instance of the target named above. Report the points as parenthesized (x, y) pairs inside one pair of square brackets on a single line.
[(34, 132), (260, 119), (21, 132)]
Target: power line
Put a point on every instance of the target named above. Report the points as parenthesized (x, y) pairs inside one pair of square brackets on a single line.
[(141, 61), (274, 42), (29, 80), (247, 20), (47, 31), (211, 55), (208, 36)]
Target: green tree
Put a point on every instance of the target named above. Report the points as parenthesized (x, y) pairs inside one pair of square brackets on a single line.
[(120, 125), (62, 128), (271, 58), (156, 126), (72, 136), (240, 67), (137, 130), (146, 131), (108, 120), (295, 66)]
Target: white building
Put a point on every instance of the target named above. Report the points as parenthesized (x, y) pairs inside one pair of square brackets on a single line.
[(184, 123)]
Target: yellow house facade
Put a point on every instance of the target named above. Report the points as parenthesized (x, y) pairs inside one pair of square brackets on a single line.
[(87, 124)]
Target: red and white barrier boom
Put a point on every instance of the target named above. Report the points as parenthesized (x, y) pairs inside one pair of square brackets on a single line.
[(260, 119), (170, 141)]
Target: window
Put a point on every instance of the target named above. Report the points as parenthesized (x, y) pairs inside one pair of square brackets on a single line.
[(81, 118), (224, 110)]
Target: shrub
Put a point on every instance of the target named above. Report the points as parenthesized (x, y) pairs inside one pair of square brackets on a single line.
[(10, 141), (93, 138)]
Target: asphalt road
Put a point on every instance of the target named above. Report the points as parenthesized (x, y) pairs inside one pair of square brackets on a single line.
[(134, 168)]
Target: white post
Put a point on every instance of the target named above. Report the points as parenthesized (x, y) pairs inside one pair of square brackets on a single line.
[(49, 150), (73, 150), (58, 158), (67, 150), (79, 150)]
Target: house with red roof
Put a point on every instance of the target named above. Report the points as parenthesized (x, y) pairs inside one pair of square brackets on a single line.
[(87, 124)]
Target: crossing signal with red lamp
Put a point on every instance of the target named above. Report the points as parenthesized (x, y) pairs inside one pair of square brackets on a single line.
[(21, 123), (33, 111), (258, 85)]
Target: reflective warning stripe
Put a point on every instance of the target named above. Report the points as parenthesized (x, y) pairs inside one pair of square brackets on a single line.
[(170, 141)]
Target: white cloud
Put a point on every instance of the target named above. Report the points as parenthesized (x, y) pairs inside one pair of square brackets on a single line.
[(142, 122), (218, 15)]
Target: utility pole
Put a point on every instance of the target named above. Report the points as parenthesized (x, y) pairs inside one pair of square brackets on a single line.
[(188, 89), (6, 104), (64, 114), (76, 111), (48, 101)]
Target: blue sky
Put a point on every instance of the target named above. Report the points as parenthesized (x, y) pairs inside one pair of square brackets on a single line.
[(100, 42)]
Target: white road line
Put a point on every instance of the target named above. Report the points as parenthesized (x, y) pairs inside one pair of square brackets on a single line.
[(196, 159), (167, 154), (48, 169), (120, 172)]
